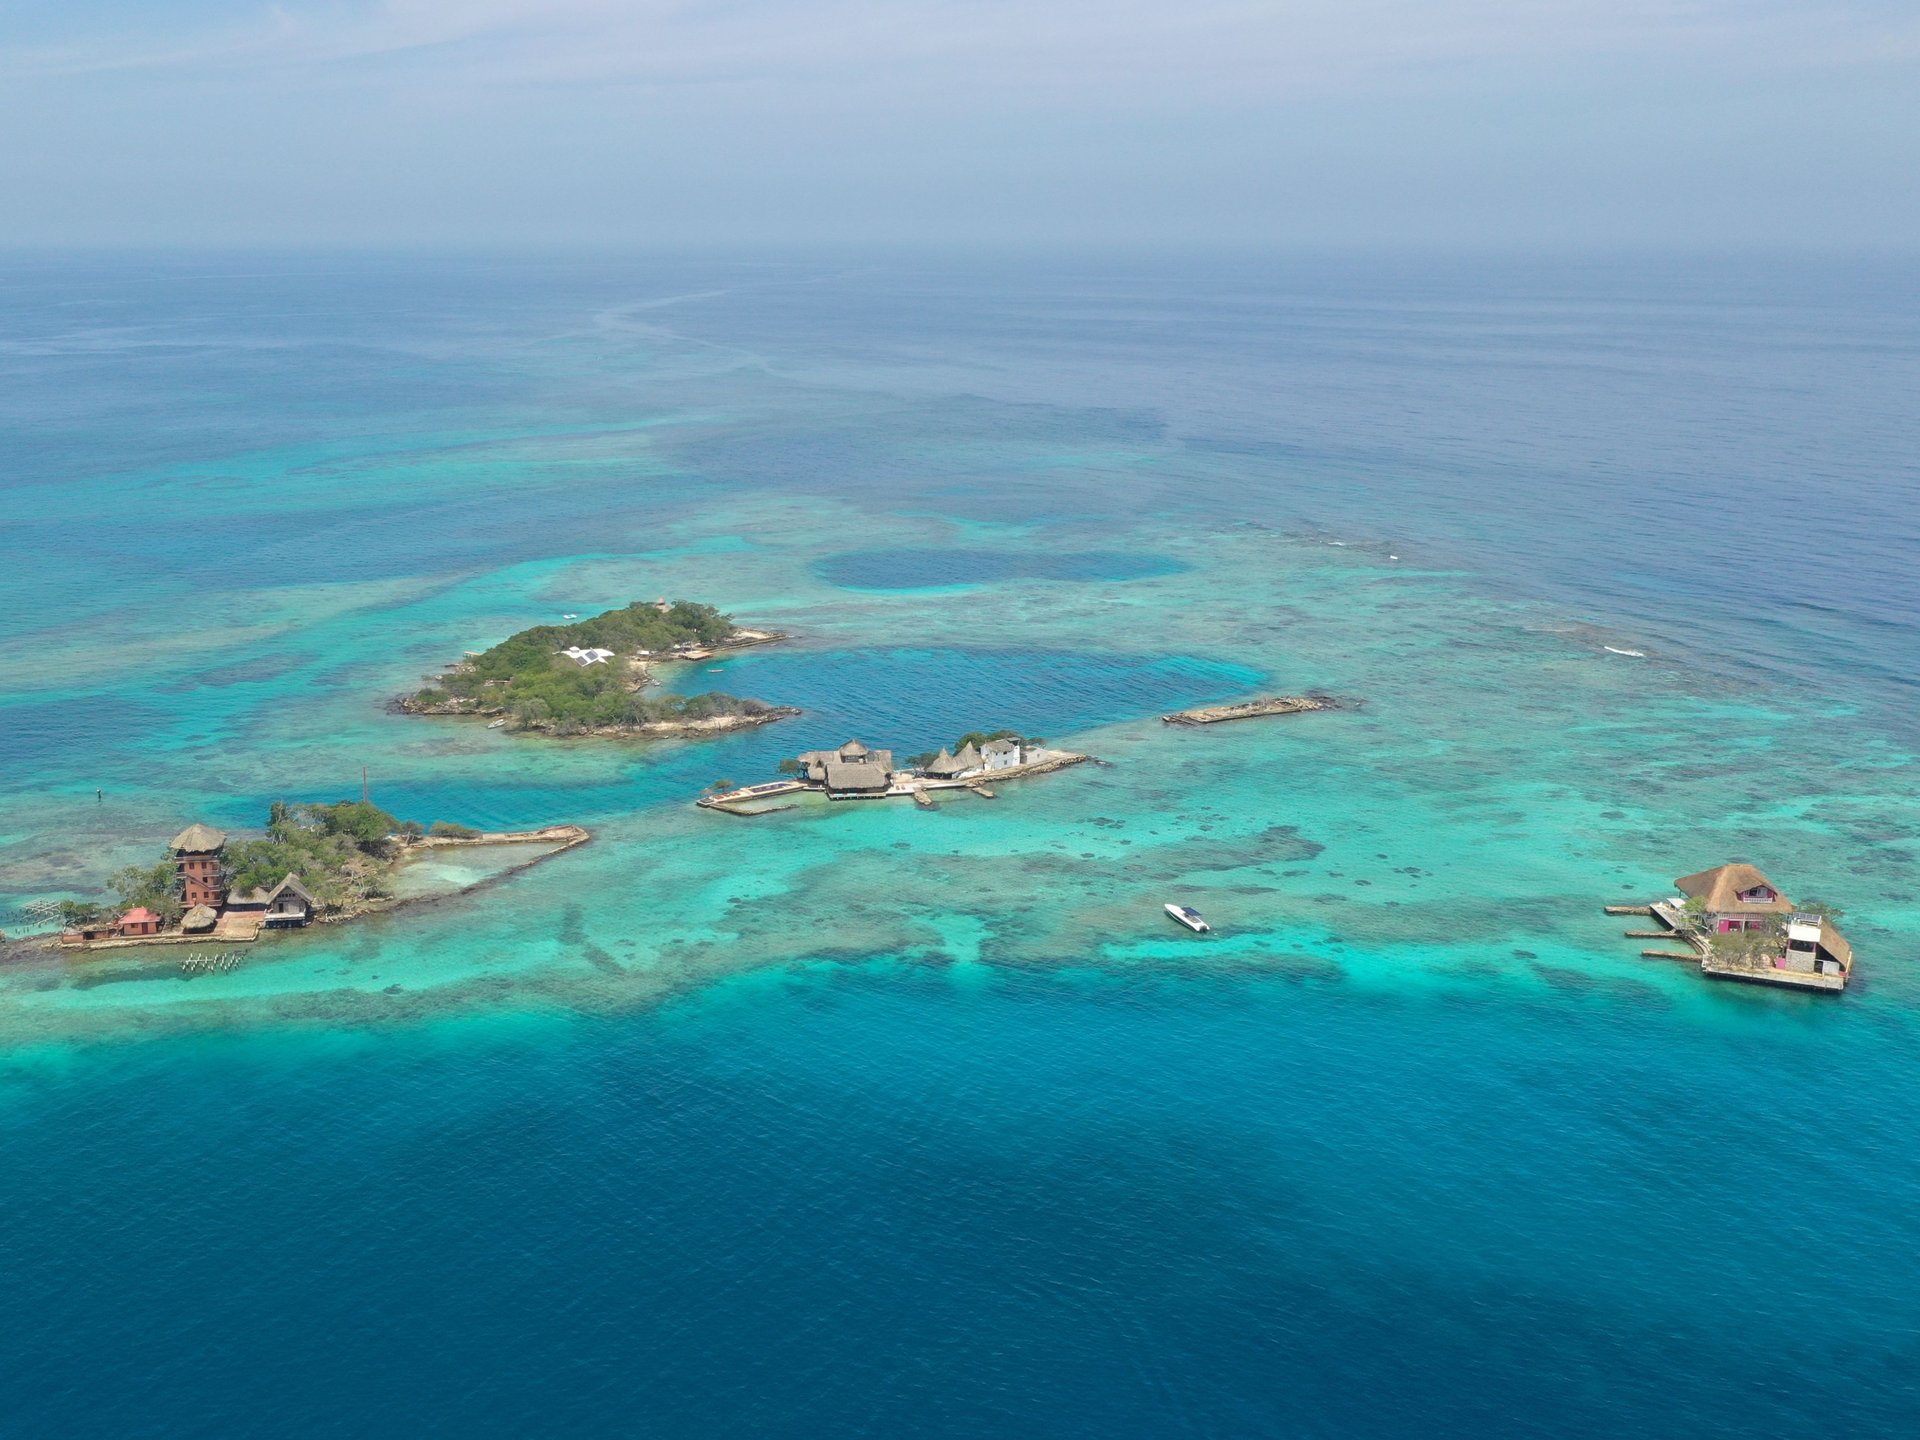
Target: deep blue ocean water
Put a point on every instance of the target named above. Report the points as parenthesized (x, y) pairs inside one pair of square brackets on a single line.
[(1315, 1188)]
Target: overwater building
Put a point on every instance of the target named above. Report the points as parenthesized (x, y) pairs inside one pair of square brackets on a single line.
[(852, 769)]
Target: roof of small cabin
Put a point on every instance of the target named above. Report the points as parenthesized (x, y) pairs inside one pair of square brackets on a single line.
[(197, 839), (1721, 887), (944, 764), (291, 885), (969, 756), (265, 896), (1000, 747), (139, 915), (1835, 944), (200, 917), (853, 750)]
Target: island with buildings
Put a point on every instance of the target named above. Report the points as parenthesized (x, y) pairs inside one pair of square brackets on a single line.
[(1738, 925), (589, 677), (855, 771), (314, 863)]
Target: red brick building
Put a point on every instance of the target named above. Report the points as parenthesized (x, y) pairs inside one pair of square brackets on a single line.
[(197, 857)]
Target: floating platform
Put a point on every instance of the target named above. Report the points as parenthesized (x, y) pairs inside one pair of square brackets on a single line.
[(1254, 709)]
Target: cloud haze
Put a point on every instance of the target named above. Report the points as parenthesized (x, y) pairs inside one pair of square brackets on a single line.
[(692, 121)]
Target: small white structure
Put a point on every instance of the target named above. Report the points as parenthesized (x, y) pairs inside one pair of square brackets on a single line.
[(584, 658), (999, 755), (1815, 946)]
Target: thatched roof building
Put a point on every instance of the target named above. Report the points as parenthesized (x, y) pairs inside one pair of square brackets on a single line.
[(852, 767), (199, 839), (945, 766), (1738, 889)]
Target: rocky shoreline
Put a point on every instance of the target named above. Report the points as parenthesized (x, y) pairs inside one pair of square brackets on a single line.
[(562, 837), (642, 670), (648, 730)]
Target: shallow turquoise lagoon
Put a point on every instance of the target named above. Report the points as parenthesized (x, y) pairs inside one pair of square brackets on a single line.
[(937, 569), (862, 1119)]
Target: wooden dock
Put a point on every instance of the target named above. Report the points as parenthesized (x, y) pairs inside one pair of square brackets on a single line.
[(1629, 910), (1253, 709)]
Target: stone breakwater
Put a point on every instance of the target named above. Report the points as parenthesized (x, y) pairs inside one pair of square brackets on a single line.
[(1253, 709)]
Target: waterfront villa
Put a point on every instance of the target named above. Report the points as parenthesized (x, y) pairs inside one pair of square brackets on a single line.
[(1735, 897), (1716, 908), (287, 905), (856, 771), (1001, 754), (852, 769)]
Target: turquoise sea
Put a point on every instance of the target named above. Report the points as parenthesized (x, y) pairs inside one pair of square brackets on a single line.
[(868, 1121)]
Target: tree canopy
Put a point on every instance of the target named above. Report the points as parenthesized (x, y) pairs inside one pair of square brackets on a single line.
[(527, 678), (342, 852), (983, 737)]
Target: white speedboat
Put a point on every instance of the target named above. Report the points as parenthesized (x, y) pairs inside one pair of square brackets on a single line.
[(496, 724), (1189, 917)]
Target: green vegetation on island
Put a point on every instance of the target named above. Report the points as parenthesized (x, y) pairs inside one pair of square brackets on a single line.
[(344, 854), (589, 675)]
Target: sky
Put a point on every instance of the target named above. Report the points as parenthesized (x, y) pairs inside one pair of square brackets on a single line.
[(754, 123)]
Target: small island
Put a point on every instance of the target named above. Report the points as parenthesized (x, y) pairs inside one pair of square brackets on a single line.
[(315, 863), (856, 771), (1738, 925), (588, 677)]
